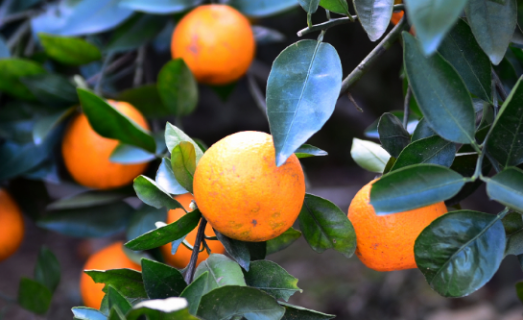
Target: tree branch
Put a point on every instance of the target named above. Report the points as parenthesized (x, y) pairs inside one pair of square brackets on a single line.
[(325, 25), (189, 274)]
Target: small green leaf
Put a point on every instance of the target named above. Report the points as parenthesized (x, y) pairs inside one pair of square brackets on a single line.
[(243, 252), (173, 137), (325, 226), (166, 180), (307, 151), (506, 187), (222, 272), (434, 150), (135, 32), (71, 51), (159, 6), (178, 88), (393, 137), (143, 221), (127, 154), (161, 281), (45, 125), (164, 235), (183, 161), (34, 296), (116, 300), (150, 193), (47, 270), (513, 224), (87, 199), (423, 130), (450, 251), (11, 72), (51, 89), (260, 9), (146, 99), (84, 313), (283, 241), (369, 155), (264, 35), (298, 313), (310, 6), (194, 292), (268, 276), (116, 314), (337, 6), (414, 187), (374, 16), (128, 282), (170, 308)]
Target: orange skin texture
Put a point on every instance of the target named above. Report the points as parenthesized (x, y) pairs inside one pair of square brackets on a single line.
[(396, 17), (86, 153), (111, 257), (386, 243), (183, 255), (242, 193), (11, 226), (216, 42)]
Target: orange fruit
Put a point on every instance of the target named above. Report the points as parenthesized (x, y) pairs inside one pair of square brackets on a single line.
[(86, 153), (111, 257), (386, 243), (396, 16), (242, 193), (183, 255), (216, 42), (11, 225)]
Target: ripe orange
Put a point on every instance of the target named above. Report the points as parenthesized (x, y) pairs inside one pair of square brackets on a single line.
[(111, 257), (216, 42), (396, 16), (242, 193), (86, 154), (183, 255), (386, 243), (11, 225)]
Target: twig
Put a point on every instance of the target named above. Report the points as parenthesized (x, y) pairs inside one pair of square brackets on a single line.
[(29, 48), (406, 108), (325, 25), (189, 274), (18, 34), (385, 44), (499, 86), (257, 94), (113, 66), (351, 98), (17, 16), (138, 74), (98, 87)]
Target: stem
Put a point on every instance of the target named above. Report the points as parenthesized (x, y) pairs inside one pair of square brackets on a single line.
[(406, 108), (325, 25), (138, 73), (385, 44), (351, 98), (18, 34), (113, 66), (17, 16), (189, 274), (98, 87), (501, 90), (257, 94)]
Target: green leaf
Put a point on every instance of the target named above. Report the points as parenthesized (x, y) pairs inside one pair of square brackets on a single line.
[(34, 296), (143, 221), (21, 158), (11, 72), (504, 142), (506, 187), (86, 199), (89, 222), (110, 123), (161, 281), (283, 241), (423, 130), (369, 155), (146, 99), (310, 6), (264, 8), (440, 92), (298, 313), (51, 89), (163, 235), (264, 35), (222, 272), (166, 180), (434, 150), (243, 252), (116, 300), (167, 309), (462, 51), (183, 161), (493, 25), (393, 137), (127, 154), (513, 224), (178, 88), (84, 313), (45, 125), (337, 6), (414, 187), (465, 164), (116, 314), (230, 301), (451, 251), (47, 270), (432, 19), (159, 6), (194, 292), (173, 137), (307, 151), (268, 276), (135, 32), (150, 193), (325, 226), (128, 282), (71, 51), (374, 16), (302, 90), (372, 130)]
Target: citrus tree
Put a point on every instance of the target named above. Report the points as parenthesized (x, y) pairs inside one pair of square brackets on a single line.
[(196, 247)]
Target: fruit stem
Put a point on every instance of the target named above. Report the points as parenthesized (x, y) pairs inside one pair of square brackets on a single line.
[(406, 108), (385, 44), (189, 274)]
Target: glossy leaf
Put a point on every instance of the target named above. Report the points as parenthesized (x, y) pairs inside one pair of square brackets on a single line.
[(47, 270), (34, 296), (150, 193), (307, 151), (173, 137), (302, 90), (170, 308), (432, 19), (262, 8), (85, 313), (268, 276), (116, 300), (493, 25), (242, 252), (178, 88), (161, 281), (393, 137), (86, 199), (325, 226), (164, 235), (369, 155), (166, 180), (229, 301), (159, 6), (135, 32), (222, 272), (423, 130), (45, 125), (194, 292), (183, 161), (128, 282), (462, 51), (11, 72), (504, 142), (434, 150), (89, 222), (441, 94), (127, 154), (506, 186), (413, 187), (298, 313), (374, 16), (283, 241), (146, 99), (450, 251), (372, 130), (513, 224), (108, 122), (70, 51), (51, 89), (18, 159), (337, 6), (264, 35), (143, 221)]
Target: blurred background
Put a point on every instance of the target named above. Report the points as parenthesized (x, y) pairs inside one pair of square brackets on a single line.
[(330, 282)]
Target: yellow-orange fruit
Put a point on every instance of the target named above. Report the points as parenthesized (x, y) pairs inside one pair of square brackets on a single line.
[(396, 16), (216, 42), (111, 257), (86, 154), (183, 255), (11, 225), (242, 193), (386, 243)]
